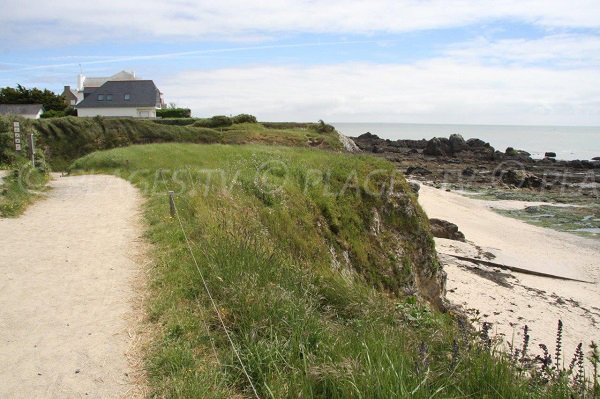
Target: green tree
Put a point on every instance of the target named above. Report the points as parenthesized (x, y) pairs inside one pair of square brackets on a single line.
[(23, 95)]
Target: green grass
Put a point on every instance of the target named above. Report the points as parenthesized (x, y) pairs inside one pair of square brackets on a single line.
[(20, 188), (66, 139), (307, 323)]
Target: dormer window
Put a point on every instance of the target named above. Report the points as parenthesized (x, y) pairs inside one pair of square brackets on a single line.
[(109, 97), (100, 97), (127, 97)]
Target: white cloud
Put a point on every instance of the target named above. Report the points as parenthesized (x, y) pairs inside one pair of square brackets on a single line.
[(560, 50), (63, 22), (436, 91)]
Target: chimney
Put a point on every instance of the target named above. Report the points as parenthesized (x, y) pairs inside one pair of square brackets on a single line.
[(80, 80)]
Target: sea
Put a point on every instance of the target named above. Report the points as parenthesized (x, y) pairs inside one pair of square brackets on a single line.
[(568, 142)]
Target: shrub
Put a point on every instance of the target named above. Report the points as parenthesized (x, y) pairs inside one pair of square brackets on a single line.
[(244, 118), (215, 121), (174, 113), (322, 127)]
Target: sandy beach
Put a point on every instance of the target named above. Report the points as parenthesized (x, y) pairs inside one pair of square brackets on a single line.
[(508, 299)]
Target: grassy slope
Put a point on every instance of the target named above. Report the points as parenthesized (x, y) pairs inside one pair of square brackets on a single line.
[(306, 326), (66, 139)]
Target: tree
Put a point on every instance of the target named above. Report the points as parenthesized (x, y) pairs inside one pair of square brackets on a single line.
[(23, 95)]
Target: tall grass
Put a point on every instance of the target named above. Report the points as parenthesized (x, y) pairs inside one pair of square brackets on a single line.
[(307, 323)]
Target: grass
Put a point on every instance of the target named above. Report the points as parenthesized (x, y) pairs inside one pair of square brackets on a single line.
[(312, 260), (20, 188), (66, 139)]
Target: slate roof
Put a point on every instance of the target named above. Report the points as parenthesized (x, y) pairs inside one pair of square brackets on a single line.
[(21, 109), (142, 93), (95, 82)]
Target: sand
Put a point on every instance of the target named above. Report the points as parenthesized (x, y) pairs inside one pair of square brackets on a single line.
[(511, 300), (68, 271)]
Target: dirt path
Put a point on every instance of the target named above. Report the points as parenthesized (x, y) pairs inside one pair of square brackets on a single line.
[(511, 300), (67, 300)]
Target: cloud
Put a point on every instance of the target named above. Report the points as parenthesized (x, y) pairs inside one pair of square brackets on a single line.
[(67, 22), (557, 50), (434, 91)]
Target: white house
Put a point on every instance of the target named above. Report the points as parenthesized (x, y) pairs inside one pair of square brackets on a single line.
[(127, 98), (86, 85), (29, 111)]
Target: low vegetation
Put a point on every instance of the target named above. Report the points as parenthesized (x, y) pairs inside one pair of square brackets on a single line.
[(315, 261), (66, 139), (22, 183)]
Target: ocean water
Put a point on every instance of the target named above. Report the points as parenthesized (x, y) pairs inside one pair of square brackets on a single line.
[(568, 142)]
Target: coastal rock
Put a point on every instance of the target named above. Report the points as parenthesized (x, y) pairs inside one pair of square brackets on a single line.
[(417, 170), (468, 171), (444, 229), (477, 143), (596, 159), (550, 155), (457, 143), (369, 136), (438, 146), (521, 179), (414, 187)]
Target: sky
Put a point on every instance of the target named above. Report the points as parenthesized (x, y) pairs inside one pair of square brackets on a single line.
[(532, 62)]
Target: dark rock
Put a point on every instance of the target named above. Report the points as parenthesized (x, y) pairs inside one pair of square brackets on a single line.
[(368, 136), (413, 151), (477, 143), (414, 187), (438, 146), (468, 172), (457, 143), (511, 152), (521, 178), (417, 170), (550, 155), (596, 159), (444, 229)]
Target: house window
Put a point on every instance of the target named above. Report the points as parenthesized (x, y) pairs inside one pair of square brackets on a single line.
[(109, 97), (100, 97), (127, 97)]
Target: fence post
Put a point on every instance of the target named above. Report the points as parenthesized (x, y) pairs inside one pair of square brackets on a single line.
[(172, 203), (32, 149)]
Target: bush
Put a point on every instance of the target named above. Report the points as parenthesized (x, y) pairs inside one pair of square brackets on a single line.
[(174, 113), (244, 118), (322, 127), (59, 114), (215, 121)]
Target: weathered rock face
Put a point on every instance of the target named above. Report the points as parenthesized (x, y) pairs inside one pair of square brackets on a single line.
[(521, 178), (468, 172), (444, 229), (417, 170), (457, 143), (438, 146)]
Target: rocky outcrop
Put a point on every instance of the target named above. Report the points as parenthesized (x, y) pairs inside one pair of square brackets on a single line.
[(417, 170), (444, 229), (521, 179), (550, 155)]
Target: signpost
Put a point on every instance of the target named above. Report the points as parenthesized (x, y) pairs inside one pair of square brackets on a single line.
[(32, 149), (17, 133)]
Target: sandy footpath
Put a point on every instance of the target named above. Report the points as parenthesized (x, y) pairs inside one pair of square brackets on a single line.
[(68, 269), (508, 299)]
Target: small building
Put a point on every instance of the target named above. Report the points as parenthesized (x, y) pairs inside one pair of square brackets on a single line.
[(127, 98), (70, 97), (29, 111)]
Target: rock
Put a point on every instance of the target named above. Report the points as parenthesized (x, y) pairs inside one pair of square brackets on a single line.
[(550, 155), (444, 229), (369, 136), (468, 171), (477, 143), (596, 159), (417, 170), (414, 187), (511, 152), (438, 146), (457, 143), (521, 178)]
